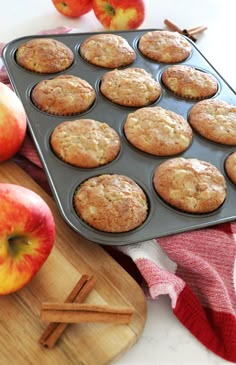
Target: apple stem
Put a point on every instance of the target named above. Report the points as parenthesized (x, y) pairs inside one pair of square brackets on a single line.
[(109, 9), (15, 241)]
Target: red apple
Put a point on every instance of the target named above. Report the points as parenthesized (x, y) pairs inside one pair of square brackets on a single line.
[(12, 123), (119, 14), (27, 233), (73, 8)]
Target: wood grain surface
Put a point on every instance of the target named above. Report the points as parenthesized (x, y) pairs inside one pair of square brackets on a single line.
[(72, 256)]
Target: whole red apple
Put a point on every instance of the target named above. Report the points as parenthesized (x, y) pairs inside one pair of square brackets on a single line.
[(27, 233), (12, 123), (119, 14), (73, 8)]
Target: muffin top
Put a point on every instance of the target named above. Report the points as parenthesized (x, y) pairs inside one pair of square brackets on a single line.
[(44, 55), (215, 120), (133, 87), (190, 185), (111, 203), (158, 131), (188, 82), (63, 95), (85, 143), (107, 50), (164, 46), (230, 167)]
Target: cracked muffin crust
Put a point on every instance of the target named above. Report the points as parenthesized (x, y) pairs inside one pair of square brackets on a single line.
[(132, 87), (63, 95), (44, 55), (230, 167), (111, 203), (85, 143), (215, 120), (164, 46), (107, 50), (158, 131), (188, 82), (190, 185)]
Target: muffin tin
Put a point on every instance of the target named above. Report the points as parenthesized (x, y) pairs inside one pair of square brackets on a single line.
[(162, 219)]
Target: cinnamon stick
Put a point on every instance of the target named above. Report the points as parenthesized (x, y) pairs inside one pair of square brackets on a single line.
[(172, 26), (189, 32), (196, 30), (54, 330), (84, 313)]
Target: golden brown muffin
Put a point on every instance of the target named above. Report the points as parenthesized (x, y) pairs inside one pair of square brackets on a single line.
[(189, 83), (215, 120), (164, 46), (107, 50), (190, 185), (63, 95), (111, 203), (85, 143), (44, 55), (158, 131), (132, 87), (230, 167)]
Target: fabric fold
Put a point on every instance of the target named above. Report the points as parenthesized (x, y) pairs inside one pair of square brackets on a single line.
[(197, 270)]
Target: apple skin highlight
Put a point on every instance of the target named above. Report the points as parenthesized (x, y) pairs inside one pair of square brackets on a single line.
[(13, 123), (27, 234), (119, 15)]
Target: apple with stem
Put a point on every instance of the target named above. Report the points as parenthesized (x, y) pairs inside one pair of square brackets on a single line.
[(13, 123), (73, 8), (119, 14), (27, 234)]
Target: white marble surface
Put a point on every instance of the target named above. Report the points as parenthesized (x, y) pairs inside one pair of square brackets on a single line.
[(164, 340)]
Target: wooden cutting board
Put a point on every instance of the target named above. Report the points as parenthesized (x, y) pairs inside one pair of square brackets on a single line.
[(72, 256)]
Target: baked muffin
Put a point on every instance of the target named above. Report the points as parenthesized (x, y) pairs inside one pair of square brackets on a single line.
[(190, 185), (230, 167), (132, 87), (215, 120), (111, 203), (164, 46), (85, 143), (63, 95), (107, 50), (44, 55), (188, 82), (158, 131)]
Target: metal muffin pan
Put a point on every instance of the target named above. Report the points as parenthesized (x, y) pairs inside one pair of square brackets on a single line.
[(162, 219)]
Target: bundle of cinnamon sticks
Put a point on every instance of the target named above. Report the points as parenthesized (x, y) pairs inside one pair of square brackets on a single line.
[(190, 33), (60, 315)]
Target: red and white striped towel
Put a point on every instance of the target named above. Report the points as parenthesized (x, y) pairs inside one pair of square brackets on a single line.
[(196, 269)]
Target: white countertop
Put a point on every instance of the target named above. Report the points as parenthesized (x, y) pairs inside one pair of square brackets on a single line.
[(164, 340)]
